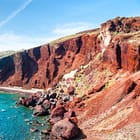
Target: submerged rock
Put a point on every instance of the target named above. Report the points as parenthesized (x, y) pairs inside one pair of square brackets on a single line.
[(33, 129), (45, 132)]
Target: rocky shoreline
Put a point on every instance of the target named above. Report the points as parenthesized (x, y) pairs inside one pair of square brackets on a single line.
[(63, 121)]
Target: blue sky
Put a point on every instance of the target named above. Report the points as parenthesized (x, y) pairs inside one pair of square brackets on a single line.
[(29, 23)]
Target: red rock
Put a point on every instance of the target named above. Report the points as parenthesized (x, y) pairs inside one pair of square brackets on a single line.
[(69, 114), (97, 88), (57, 114), (65, 129), (39, 110)]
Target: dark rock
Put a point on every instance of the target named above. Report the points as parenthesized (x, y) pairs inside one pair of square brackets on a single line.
[(96, 88), (40, 101), (66, 98), (52, 95), (46, 104), (61, 91), (28, 101), (70, 90)]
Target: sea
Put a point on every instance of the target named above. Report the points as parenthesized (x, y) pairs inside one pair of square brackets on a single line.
[(16, 121)]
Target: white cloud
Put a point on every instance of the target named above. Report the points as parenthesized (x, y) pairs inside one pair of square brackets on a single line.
[(71, 28), (12, 41), (14, 13)]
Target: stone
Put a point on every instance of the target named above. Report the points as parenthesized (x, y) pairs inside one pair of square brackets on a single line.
[(28, 101), (71, 90), (57, 114), (39, 110), (46, 104), (52, 95), (65, 129)]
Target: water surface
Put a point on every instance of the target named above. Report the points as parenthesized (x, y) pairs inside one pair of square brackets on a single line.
[(16, 121)]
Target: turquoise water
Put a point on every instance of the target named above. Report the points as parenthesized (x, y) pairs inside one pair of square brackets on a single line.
[(16, 121)]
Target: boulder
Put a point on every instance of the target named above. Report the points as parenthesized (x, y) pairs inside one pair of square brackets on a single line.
[(66, 98), (65, 129), (57, 114), (53, 95), (46, 104), (70, 90), (39, 110), (27, 101)]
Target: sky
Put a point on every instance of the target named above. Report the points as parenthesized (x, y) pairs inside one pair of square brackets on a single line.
[(29, 23)]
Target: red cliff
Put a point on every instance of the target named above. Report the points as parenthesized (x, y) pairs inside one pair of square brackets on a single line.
[(106, 81), (45, 65)]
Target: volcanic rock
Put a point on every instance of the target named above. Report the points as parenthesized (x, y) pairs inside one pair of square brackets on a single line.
[(57, 114), (70, 90), (65, 129), (39, 110)]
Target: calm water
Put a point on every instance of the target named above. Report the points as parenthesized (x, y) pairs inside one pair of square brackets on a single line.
[(15, 122)]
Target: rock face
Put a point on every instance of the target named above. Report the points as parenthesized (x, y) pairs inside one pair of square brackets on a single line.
[(118, 41), (43, 66)]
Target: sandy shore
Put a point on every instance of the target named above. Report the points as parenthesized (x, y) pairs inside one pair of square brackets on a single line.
[(20, 90)]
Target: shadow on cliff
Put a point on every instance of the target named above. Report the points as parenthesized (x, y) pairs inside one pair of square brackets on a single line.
[(81, 136), (29, 67), (7, 68)]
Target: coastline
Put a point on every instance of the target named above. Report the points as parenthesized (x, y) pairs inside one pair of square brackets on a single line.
[(20, 90), (51, 105)]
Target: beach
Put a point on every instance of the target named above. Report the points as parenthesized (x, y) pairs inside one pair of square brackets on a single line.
[(20, 90)]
